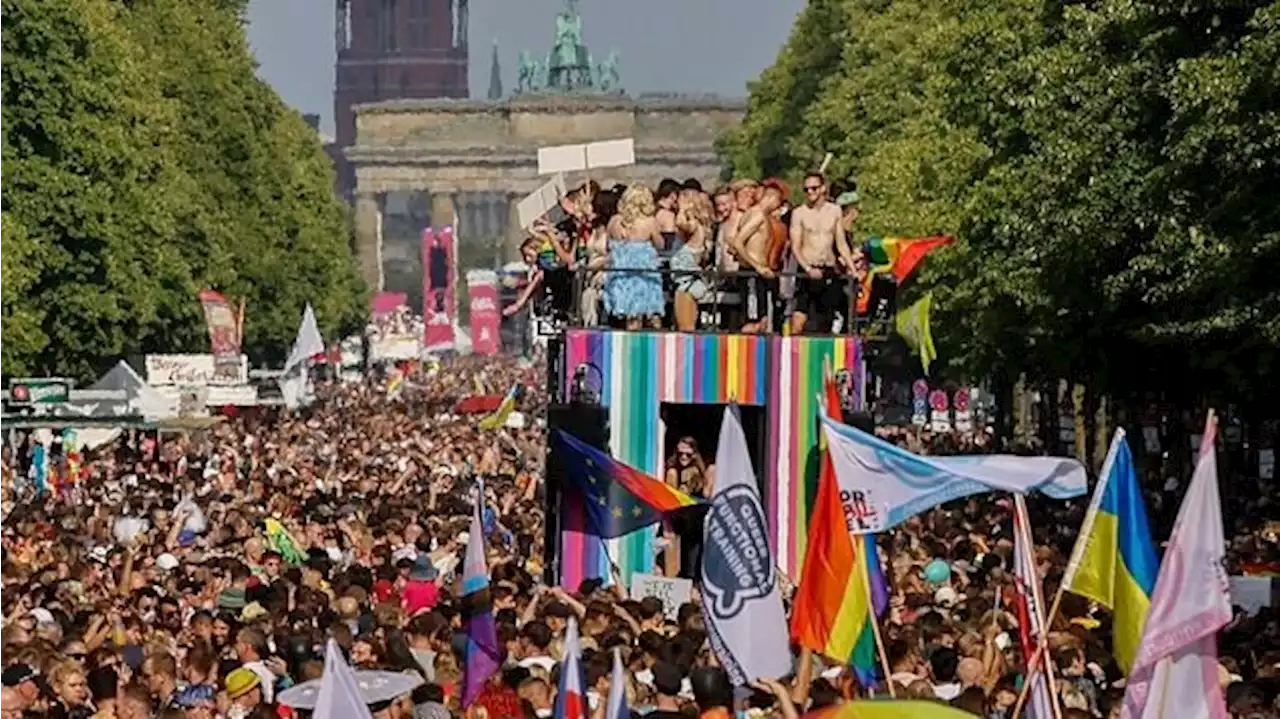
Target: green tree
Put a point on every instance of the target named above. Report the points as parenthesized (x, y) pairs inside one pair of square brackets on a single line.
[(90, 177), (266, 226)]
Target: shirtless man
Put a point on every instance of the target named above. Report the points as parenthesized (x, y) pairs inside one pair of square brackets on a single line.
[(817, 238), (731, 203), (750, 243)]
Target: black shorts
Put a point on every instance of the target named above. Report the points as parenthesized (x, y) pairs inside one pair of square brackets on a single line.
[(757, 294), (822, 299)]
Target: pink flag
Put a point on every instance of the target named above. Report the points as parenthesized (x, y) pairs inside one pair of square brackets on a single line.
[(1175, 672)]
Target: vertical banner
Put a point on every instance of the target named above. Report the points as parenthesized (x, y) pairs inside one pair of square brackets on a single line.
[(224, 331), (437, 288), (486, 319)]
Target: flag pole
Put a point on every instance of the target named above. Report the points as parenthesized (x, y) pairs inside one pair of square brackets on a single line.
[(1024, 521), (1086, 527), (875, 620)]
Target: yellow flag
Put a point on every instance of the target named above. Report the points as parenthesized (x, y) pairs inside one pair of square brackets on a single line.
[(913, 325)]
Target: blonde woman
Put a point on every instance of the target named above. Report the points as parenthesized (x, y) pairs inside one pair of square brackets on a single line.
[(633, 291), (694, 221)]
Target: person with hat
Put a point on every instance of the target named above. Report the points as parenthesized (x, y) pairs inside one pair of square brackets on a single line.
[(244, 689), (23, 687), (422, 592)]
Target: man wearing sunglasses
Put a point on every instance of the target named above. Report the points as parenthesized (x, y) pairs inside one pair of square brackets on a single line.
[(817, 238)]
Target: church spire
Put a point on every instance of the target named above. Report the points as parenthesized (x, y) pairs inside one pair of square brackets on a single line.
[(495, 74)]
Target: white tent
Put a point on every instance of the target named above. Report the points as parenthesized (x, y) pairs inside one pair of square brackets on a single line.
[(140, 397)]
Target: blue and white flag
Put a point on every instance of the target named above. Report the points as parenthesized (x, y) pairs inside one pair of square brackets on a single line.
[(882, 485), (740, 597)]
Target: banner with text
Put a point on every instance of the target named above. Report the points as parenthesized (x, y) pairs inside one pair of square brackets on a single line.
[(486, 319), (224, 329), (196, 370), (438, 308)]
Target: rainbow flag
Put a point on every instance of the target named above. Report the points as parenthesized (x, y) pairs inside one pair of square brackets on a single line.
[(1114, 562), (842, 586), (897, 256), (617, 498)]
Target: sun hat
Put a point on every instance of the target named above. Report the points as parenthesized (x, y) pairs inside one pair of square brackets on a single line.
[(423, 570), (241, 681)]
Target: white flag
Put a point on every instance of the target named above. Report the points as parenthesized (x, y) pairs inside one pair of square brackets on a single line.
[(293, 383), (339, 691), (740, 596), (1175, 672)]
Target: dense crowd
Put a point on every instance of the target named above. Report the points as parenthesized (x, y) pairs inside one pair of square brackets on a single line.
[(740, 257), (201, 575)]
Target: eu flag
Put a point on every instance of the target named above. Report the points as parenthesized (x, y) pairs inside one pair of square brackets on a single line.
[(617, 498)]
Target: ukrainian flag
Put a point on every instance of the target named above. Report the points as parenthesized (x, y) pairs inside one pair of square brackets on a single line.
[(1114, 561)]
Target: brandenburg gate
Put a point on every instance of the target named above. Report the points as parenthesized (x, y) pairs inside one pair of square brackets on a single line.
[(468, 163)]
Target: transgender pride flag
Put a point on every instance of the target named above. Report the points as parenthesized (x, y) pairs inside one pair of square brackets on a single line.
[(483, 656)]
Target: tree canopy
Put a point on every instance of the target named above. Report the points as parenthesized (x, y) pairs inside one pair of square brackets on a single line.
[(145, 161), (1102, 165)]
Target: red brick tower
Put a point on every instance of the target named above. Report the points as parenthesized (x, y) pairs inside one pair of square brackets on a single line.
[(392, 50)]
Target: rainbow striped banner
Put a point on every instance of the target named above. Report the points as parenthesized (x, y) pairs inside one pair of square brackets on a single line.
[(643, 370)]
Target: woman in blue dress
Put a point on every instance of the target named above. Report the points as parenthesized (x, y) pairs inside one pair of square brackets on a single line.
[(634, 240)]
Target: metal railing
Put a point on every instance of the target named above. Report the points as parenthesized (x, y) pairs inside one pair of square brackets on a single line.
[(724, 296)]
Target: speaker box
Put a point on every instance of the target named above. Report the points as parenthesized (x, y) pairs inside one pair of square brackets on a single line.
[(589, 423)]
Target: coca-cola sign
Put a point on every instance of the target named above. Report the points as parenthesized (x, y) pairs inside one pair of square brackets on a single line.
[(196, 370)]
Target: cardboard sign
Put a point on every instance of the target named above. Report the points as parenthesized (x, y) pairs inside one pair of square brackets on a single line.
[(591, 156), (539, 202), (611, 153), (673, 591), (561, 159)]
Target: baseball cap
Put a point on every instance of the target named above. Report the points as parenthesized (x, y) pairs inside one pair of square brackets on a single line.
[(19, 673)]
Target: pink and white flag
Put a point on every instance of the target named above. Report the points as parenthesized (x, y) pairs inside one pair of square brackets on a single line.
[(1175, 672)]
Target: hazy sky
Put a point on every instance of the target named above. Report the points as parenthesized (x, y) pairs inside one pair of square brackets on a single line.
[(713, 46)]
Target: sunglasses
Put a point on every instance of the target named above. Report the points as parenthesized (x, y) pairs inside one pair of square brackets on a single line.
[(684, 455), (812, 188)]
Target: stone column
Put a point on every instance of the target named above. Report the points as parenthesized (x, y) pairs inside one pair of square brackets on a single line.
[(514, 234), (368, 232), (442, 208)]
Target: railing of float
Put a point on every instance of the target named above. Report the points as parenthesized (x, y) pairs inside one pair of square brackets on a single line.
[(559, 304)]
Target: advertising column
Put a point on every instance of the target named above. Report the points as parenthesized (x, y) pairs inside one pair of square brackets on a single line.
[(437, 288), (486, 318)]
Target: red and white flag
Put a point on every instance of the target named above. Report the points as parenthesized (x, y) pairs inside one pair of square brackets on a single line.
[(571, 699), (1029, 606)]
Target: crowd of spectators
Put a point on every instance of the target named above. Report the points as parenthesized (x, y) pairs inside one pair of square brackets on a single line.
[(201, 575)]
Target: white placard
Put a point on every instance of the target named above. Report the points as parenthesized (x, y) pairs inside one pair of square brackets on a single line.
[(673, 591), (195, 370), (1251, 593), (539, 202), (562, 158), (611, 153)]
